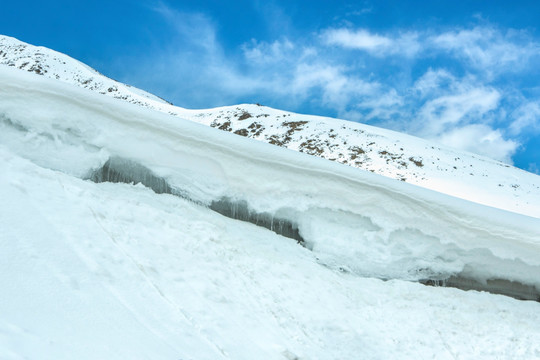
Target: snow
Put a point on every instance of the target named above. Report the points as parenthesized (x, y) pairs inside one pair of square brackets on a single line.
[(116, 271), (109, 270), (388, 153), (54, 65), (384, 152)]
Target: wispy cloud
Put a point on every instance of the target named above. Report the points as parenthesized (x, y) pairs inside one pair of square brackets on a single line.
[(338, 89), (458, 112), (526, 118), (488, 48), (482, 47), (196, 29), (440, 85), (359, 39), (480, 139), (192, 65), (376, 44), (434, 83), (282, 53), (470, 104)]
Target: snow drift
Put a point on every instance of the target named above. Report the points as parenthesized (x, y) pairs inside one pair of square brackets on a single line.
[(352, 220), (95, 269)]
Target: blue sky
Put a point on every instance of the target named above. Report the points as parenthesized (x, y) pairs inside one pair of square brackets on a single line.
[(464, 73)]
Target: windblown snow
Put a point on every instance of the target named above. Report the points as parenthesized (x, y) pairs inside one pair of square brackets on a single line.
[(114, 245)]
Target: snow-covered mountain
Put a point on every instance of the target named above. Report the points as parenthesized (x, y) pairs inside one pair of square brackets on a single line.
[(388, 153), (114, 245)]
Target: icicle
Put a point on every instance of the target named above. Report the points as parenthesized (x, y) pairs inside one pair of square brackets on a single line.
[(240, 210), (119, 170)]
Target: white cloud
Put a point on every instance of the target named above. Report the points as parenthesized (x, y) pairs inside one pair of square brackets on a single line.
[(526, 119), (338, 89), (359, 39), (446, 111), (265, 53), (194, 28), (191, 66), (408, 44), (488, 48), (480, 139), (379, 45), (382, 105), (461, 111), (485, 48), (433, 82)]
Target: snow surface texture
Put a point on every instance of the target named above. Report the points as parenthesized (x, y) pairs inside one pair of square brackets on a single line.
[(383, 152)]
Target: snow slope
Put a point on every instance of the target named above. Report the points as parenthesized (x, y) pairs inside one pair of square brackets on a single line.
[(102, 270), (398, 156), (110, 271)]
